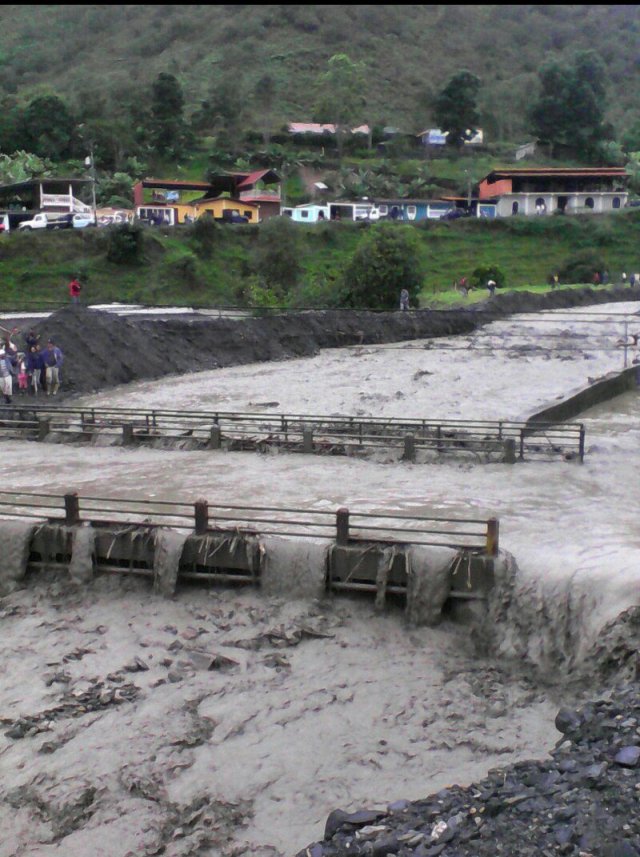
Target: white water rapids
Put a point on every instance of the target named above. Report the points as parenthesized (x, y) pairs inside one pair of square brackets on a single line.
[(372, 712)]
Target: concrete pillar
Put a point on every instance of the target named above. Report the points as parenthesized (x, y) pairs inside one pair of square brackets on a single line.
[(127, 435), (44, 427)]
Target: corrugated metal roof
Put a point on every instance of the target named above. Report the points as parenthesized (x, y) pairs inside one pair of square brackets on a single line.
[(557, 172)]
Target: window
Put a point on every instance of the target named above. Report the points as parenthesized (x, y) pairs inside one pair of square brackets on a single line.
[(383, 209), (616, 202), (247, 214), (304, 214), (589, 203), (514, 208)]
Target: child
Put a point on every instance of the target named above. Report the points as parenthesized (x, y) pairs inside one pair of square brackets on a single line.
[(23, 378)]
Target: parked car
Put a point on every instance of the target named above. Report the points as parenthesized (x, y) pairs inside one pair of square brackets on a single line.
[(46, 221), (455, 214), (81, 221)]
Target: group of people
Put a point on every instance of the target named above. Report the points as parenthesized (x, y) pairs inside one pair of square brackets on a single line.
[(36, 369)]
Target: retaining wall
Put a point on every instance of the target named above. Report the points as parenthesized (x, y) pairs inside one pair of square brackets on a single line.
[(602, 390)]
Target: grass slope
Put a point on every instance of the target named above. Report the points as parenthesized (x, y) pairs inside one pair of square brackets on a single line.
[(37, 268)]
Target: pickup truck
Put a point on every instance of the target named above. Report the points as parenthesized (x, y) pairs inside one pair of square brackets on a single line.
[(58, 221)]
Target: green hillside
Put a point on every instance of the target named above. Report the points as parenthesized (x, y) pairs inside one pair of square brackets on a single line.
[(89, 54), (177, 266)]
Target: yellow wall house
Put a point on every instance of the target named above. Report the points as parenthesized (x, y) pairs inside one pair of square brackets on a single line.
[(217, 207)]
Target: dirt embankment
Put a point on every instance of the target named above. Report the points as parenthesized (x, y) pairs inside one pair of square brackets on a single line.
[(103, 350)]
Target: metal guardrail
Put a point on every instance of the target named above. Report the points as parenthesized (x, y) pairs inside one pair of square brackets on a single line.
[(343, 525), (303, 432)]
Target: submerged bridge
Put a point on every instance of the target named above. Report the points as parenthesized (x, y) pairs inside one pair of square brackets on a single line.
[(415, 440), (422, 561)]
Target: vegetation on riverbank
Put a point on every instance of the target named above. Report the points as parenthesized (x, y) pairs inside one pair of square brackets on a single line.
[(228, 265)]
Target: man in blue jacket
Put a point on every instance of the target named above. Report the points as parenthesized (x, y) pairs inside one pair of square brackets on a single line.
[(53, 359)]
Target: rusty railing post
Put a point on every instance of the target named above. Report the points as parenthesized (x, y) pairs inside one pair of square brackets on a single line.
[(342, 526), (307, 440), (581, 449), (215, 437), (71, 509), (509, 451), (201, 514), (493, 536), (409, 453)]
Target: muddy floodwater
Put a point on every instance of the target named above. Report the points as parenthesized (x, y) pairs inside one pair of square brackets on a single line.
[(250, 757)]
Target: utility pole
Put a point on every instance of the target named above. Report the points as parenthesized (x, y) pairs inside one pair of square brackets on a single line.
[(89, 162)]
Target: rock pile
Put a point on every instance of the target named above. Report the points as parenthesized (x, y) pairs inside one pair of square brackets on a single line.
[(582, 802)]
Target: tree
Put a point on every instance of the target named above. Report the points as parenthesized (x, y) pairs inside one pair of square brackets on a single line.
[(385, 262), (455, 108), (569, 111), (170, 135), (22, 166), (341, 99), (48, 127), (276, 259)]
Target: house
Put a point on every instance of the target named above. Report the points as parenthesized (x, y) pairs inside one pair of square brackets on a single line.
[(410, 210), (549, 189), (314, 213), (308, 213), (260, 187), (318, 129), (223, 207), (167, 201), (22, 200), (172, 202)]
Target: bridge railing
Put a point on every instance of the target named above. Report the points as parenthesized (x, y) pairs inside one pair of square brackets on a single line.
[(345, 526), (313, 432)]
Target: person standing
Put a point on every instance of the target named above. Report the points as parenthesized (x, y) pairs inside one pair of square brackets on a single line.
[(34, 368), (53, 359), (74, 290), (404, 300), (6, 375)]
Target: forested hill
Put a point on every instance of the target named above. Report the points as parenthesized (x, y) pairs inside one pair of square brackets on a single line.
[(103, 54)]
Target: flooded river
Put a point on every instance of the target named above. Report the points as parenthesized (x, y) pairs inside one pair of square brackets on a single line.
[(373, 711)]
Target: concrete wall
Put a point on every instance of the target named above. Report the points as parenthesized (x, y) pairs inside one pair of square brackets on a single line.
[(602, 391)]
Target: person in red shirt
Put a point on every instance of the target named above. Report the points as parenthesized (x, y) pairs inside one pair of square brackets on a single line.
[(74, 290)]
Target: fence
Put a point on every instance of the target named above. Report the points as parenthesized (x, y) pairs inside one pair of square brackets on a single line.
[(343, 525), (509, 440)]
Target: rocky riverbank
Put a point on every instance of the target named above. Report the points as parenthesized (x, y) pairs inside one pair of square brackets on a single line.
[(103, 350), (582, 801)]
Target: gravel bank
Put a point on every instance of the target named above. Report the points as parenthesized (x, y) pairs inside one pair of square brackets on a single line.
[(580, 802)]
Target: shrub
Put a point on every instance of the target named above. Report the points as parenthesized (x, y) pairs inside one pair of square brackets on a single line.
[(276, 258), (203, 235), (581, 267), (125, 244), (385, 262), (482, 274), (183, 267)]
